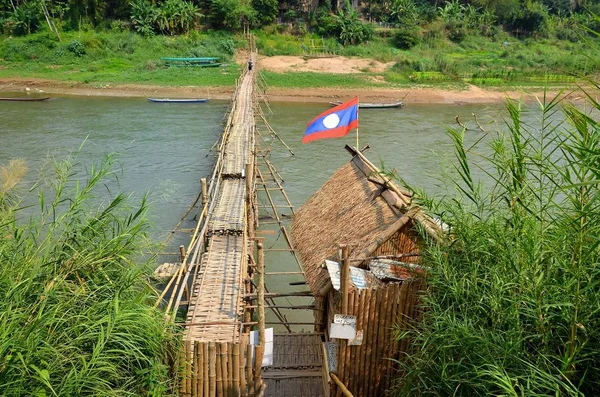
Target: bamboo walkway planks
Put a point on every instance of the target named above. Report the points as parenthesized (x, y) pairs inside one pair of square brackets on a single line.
[(215, 307), (297, 366)]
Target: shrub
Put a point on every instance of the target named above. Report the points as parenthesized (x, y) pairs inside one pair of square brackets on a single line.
[(407, 38), (76, 47)]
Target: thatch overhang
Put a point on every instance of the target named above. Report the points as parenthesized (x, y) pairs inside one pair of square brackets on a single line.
[(359, 206)]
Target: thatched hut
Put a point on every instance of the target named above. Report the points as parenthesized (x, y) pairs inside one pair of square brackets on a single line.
[(362, 208)]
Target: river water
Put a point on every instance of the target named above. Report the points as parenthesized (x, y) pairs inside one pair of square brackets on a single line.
[(164, 149)]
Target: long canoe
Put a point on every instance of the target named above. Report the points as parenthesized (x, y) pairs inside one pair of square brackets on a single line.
[(367, 105), (180, 100), (21, 99)]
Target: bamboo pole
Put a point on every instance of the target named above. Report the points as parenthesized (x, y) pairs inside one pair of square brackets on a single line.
[(204, 194), (224, 373), (362, 358), (382, 359), (354, 349), (344, 278), (340, 385), (188, 367), (212, 369), (392, 351), (349, 364), (194, 369), (230, 386), (199, 369), (242, 363), (260, 348), (205, 370), (371, 341), (250, 374), (235, 353), (219, 370)]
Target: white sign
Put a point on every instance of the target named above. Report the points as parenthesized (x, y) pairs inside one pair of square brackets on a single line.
[(344, 319), (268, 355), (342, 331)]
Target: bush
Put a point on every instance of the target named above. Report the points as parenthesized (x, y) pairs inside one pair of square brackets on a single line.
[(457, 34), (76, 47), (406, 39)]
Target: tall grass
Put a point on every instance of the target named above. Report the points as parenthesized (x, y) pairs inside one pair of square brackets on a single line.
[(513, 303), (76, 314)]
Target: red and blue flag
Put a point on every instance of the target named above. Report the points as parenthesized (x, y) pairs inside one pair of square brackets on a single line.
[(333, 123)]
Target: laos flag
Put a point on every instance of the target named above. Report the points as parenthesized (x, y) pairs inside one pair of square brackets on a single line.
[(333, 123)]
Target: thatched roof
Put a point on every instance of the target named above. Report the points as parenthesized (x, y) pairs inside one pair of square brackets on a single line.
[(357, 206)]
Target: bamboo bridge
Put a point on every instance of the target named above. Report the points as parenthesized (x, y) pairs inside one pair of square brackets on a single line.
[(218, 292)]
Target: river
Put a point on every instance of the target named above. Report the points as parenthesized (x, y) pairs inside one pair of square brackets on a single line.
[(164, 149)]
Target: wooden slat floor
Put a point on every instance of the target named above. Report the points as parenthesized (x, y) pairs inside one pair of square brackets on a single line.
[(228, 215), (297, 366), (217, 292), (215, 308)]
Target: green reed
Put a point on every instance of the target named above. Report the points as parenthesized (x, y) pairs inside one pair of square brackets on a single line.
[(513, 300), (76, 313)]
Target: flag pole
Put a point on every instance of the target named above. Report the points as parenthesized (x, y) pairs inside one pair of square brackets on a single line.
[(357, 111)]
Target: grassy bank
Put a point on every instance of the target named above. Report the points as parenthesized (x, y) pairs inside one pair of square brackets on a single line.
[(116, 57), (99, 58)]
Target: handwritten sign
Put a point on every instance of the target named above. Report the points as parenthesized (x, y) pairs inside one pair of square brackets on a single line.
[(344, 319)]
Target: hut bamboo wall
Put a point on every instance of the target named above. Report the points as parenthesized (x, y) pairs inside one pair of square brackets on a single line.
[(210, 369), (367, 370)]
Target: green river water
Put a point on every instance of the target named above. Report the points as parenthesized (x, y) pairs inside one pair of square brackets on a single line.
[(164, 149)]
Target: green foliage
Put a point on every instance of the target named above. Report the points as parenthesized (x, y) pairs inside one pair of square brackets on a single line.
[(404, 12), (513, 295), (232, 14), (266, 11), (25, 19), (143, 16), (351, 29), (169, 17), (76, 48), (77, 311), (407, 38)]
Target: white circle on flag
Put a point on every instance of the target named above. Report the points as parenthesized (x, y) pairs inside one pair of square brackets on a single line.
[(331, 121)]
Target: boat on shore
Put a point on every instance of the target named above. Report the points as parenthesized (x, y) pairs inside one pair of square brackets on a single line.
[(21, 99), (178, 100), (368, 105)]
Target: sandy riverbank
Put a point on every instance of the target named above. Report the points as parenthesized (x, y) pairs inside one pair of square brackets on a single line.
[(472, 94)]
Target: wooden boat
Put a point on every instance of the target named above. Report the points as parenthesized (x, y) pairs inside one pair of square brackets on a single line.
[(21, 99), (180, 100), (367, 105), (206, 62)]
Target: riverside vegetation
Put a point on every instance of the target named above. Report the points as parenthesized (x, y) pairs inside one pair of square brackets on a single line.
[(76, 307), (483, 42), (513, 298)]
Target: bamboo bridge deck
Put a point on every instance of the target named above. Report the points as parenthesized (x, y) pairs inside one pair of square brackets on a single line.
[(216, 277), (215, 309)]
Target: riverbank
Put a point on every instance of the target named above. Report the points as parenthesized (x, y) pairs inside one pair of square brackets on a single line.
[(414, 95)]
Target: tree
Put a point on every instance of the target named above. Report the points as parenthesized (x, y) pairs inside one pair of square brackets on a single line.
[(266, 11), (231, 14)]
